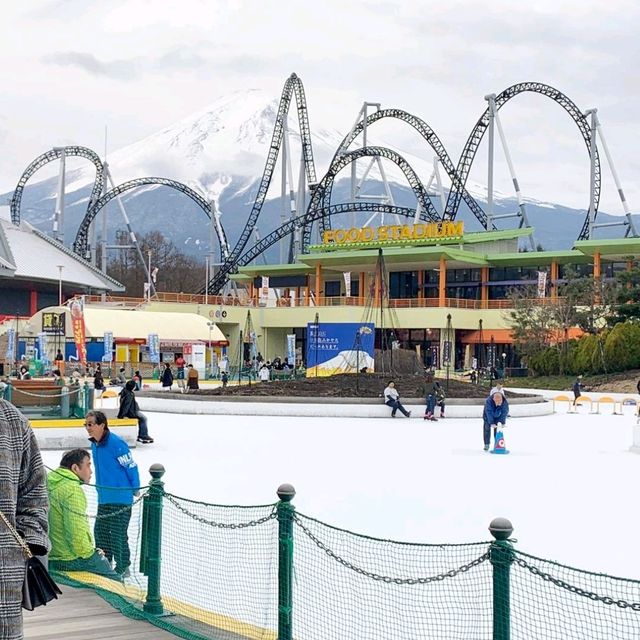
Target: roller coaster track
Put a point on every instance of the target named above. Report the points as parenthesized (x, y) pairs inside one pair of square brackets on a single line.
[(81, 242), (429, 135), (50, 156), (473, 142), (292, 87), (307, 219), (321, 198)]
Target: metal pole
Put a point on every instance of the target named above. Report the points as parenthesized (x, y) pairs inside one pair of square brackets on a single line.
[(616, 179), (58, 216), (512, 171), (149, 277), (501, 557), (491, 99), (592, 171), (132, 235), (153, 546), (60, 267), (285, 511), (103, 257), (206, 281)]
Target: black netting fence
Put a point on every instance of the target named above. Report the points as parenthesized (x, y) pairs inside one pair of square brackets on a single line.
[(269, 573)]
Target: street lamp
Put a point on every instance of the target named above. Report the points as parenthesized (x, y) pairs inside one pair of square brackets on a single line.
[(60, 267), (149, 276), (504, 365), (210, 325)]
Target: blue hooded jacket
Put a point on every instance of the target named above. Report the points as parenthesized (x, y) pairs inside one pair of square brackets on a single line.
[(116, 471), (494, 413)]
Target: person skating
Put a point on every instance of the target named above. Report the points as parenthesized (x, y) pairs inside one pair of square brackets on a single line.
[(577, 389), (392, 399), (129, 409), (430, 406), (496, 410), (440, 397), (192, 378), (167, 377)]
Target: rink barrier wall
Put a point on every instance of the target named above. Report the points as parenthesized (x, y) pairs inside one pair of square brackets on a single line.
[(329, 407), (64, 434)]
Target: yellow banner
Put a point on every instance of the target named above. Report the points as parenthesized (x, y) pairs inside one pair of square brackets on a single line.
[(394, 233)]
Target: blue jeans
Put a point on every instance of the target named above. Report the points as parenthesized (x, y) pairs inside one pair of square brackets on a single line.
[(395, 405), (143, 431)]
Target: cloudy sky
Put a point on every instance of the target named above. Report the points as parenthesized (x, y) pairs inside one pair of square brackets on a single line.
[(71, 67)]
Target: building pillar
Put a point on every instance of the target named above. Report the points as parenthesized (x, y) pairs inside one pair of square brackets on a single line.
[(377, 290), (442, 282), (33, 302), (420, 284), (484, 288), (596, 265), (362, 294), (318, 284), (554, 280)]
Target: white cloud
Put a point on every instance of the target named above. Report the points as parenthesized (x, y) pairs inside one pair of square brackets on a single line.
[(70, 67)]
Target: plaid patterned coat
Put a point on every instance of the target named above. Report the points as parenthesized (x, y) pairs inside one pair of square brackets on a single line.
[(23, 500)]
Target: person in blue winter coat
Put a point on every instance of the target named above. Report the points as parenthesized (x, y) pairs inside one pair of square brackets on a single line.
[(117, 481), (496, 410)]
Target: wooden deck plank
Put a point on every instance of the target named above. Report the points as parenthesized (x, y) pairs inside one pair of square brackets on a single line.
[(81, 614)]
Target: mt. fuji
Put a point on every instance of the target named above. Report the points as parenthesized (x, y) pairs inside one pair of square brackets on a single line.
[(220, 152)]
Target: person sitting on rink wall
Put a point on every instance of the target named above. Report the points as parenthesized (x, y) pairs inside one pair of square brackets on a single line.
[(72, 546)]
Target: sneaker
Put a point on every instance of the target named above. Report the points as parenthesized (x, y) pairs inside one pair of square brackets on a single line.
[(486, 447), (442, 416), (145, 440), (433, 419), (123, 573), (408, 414)]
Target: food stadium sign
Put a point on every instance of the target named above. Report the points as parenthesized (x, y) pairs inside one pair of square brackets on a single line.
[(394, 234)]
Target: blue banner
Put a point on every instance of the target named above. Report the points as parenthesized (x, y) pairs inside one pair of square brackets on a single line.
[(291, 349), (108, 347), (339, 347), (153, 343), (42, 347), (11, 345)]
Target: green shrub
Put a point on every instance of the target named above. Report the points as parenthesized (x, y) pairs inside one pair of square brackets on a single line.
[(622, 347)]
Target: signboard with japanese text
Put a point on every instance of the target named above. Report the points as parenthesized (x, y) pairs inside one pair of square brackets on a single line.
[(339, 347), (11, 345), (153, 342), (53, 323), (108, 347)]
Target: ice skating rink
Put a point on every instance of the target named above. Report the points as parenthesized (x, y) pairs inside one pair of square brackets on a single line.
[(569, 485)]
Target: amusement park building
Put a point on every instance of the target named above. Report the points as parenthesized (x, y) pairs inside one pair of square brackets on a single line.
[(35, 269), (453, 286)]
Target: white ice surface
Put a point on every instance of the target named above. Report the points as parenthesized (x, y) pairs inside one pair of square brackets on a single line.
[(569, 486)]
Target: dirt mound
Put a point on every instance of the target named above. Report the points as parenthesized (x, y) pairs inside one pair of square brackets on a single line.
[(369, 385)]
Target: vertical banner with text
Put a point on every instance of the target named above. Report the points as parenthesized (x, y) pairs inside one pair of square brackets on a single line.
[(291, 349), (542, 284), (11, 345), (153, 342), (108, 347), (77, 323)]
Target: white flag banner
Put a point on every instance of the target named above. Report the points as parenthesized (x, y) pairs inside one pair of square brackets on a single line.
[(542, 284), (264, 290), (347, 282)]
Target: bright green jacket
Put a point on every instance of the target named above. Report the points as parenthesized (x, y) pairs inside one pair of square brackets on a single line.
[(69, 529)]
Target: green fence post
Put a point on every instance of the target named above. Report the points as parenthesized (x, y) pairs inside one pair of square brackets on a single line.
[(153, 547), (501, 557), (8, 392), (285, 510)]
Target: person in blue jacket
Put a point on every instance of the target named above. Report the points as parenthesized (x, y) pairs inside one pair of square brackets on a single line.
[(117, 482), (496, 409)]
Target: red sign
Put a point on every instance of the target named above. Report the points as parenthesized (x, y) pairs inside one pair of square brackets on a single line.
[(77, 323), (186, 349)]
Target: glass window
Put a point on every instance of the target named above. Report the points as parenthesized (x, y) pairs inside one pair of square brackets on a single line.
[(403, 284), (332, 288)]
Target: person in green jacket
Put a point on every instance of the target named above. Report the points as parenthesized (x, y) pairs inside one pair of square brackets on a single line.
[(72, 546)]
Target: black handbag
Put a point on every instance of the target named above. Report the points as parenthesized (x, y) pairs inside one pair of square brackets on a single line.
[(38, 587)]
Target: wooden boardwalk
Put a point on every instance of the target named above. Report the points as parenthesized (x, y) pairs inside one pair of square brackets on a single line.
[(81, 614)]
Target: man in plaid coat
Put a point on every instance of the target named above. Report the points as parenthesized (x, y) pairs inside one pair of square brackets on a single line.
[(23, 500)]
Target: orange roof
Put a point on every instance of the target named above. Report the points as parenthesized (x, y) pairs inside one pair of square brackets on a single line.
[(500, 336)]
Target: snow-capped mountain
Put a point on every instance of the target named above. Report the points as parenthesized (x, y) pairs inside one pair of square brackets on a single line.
[(220, 152)]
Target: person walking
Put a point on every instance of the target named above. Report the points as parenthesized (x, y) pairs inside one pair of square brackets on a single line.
[(23, 502), (577, 389), (72, 546), (129, 409), (264, 373), (392, 399), (117, 481), (225, 379), (98, 382), (192, 378), (496, 410), (180, 362), (167, 377)]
